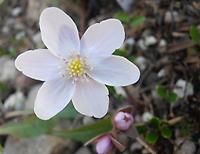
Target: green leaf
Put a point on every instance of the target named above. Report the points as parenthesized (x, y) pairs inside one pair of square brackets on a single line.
[(166, 133), (161, 91), (155, 122), (195, 34), (3, 87), (172, 97), (1, 149), (1, 1), (141, 129), (120, 52), (138, 20), (87, 132), (32, 126), (29, 127), (122, 17), (151, 137), (69, 112)]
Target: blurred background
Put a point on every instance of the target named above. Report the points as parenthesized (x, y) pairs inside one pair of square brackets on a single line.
[(162, 39)]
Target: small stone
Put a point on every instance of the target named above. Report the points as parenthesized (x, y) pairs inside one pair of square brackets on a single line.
[(141, 44), (188, 147), (83, 150), (16, 11), (35, 7), (170, 16), (20, 35), (37, 39), (162, 73), (88, 120), (5, 30), (136, 146), (29, 104), (125, 4), (147, 116), (141, 62), (120, 91), (15, 101), (130, 41), (8, 71), (150, 40), (162, 43), (183, 88), (39, 145)]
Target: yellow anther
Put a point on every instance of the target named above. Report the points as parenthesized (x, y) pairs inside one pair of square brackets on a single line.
[(76, 67)]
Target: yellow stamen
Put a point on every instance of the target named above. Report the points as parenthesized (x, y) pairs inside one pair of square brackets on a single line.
[(76, 67)]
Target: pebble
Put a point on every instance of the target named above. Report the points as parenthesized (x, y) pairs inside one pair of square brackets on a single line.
[(8, 71), (188, 147), (29, 104), (83, 150), (147, 116), (39, 145), (15, 101), (141, 62), (136, 146), (150, 40), (141, 44), (125, 4), (170, 16), (16, 11), (162, 73), (183, 88)]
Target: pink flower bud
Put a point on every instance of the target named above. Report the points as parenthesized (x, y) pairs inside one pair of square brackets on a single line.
[(123, 121), (104, 145)]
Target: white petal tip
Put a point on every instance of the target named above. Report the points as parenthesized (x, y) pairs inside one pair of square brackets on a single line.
[(41, 115)]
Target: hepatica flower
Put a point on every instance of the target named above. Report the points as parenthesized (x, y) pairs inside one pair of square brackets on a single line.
[(76, 69)]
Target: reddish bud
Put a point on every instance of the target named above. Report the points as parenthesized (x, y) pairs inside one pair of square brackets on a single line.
[(123, 121), (104, 145)]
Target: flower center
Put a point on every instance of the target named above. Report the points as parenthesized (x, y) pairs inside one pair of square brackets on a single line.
[(76, 67)]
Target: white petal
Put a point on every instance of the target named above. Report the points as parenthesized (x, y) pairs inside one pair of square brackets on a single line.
[(38, 64), (59, 32), (91, 98), (115, 71), (53, 97), (103, 38)]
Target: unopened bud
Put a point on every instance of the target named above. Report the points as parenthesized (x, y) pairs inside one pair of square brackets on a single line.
[(123, 121), (104, 145)]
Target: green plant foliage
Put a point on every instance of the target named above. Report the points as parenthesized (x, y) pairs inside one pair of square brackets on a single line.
[(166, 133), (3, 87), (87, 132), (137, 20), (132, 21), (122, 17), (69, 112), (29, 127), (151, 137), (166, 94), (114, 93), (32, 126), (120, 52), (142, 129), (195, 34), (155, 122)]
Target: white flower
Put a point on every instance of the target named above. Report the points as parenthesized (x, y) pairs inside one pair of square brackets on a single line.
[(75, 68)]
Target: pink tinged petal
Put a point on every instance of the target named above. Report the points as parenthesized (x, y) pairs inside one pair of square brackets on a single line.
[(53, 97), (123, 121), (38, 64), (91, 98), (103, 38), (104, 145), (59, 32), (115, 71)]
